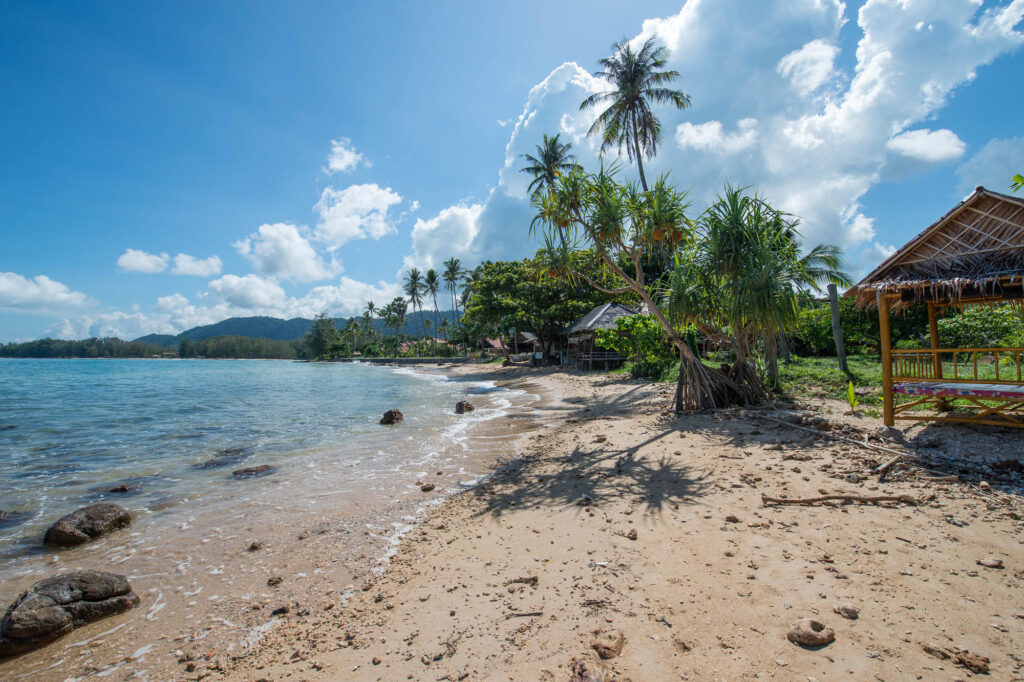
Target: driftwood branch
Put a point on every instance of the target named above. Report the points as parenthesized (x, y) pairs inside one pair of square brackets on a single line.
[(871, 499)]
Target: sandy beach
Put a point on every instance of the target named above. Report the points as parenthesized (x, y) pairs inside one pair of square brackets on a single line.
[(621, 516)]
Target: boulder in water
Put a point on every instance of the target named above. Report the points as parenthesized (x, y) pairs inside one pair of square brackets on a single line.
[(252, 472), (463, 406), (54, 607), (87, 523), (392, 416)]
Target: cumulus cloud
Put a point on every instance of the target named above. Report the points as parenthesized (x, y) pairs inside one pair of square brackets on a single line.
[(810, 67), (356, 212), (185, 264), (451, 233), (37, 293), (281, 250), (134, 260), (993, 166), (343, 157), (248, 292), (710, 137), (930, 146)]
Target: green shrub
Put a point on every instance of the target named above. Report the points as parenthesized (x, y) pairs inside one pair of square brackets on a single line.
[(981, 326)]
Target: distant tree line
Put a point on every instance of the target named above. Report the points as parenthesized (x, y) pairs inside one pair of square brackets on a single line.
[(240, 347), (85, 348)]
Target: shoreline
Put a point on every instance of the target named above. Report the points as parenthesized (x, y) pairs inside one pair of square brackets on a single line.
[(625, 516), (218, 598)]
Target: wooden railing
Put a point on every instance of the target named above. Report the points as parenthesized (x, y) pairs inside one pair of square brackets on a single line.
[(963, 365)]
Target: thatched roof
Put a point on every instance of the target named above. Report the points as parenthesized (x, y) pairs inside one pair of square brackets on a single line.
[(601, 317), (974, 252)]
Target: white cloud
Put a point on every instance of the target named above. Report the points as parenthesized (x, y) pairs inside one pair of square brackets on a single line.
[(810, 67), (248, 292), (39, 293), (709, 136), (930, 146), (343, 157), (281, 250), (185, 264), (356, 212), (451, 233), (993, 166), (133, 260), (172, 302)]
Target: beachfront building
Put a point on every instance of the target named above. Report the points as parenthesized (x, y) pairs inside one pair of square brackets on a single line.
[(582, 334), (973, 255)]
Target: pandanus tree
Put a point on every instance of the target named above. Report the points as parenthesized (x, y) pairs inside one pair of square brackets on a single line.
[(638, 81), (551, 160), (740, 282), (623, 224)]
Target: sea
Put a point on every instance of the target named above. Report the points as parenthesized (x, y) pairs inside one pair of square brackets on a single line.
[(163, 437)]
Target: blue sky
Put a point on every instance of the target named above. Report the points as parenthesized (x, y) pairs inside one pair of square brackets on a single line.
[(164, 166)]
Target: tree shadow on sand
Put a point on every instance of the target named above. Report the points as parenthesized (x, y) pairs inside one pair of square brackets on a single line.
[(593, 474)]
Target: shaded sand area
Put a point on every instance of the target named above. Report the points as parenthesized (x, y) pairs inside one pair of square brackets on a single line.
[(622, 516)]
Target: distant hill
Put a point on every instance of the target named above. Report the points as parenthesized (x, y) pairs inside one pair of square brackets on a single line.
[(280, 330)]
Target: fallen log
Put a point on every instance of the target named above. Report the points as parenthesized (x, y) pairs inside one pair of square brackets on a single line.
[(867, 499)]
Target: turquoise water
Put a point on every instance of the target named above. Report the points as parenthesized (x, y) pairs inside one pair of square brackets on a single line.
[(73, 430)]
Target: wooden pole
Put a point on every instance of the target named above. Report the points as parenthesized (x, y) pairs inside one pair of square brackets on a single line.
[(884, 333), (837, 328), (933, 337)]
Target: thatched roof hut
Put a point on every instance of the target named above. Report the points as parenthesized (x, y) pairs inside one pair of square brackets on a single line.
[(601, 317), (973, 253)]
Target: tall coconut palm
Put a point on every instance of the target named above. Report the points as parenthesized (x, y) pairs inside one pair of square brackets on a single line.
[(431, 285), (552, 158), (639, 81), (368, 314), (413, 287), (452, 277)]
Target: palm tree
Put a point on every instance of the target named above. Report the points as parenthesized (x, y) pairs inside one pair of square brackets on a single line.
[(552, 158), (452, 277), (638, 80), (414, 289), (368, 315), (431, 285)]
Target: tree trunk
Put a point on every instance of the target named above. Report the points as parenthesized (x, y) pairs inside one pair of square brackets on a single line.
[(771, 358), (636, 149)]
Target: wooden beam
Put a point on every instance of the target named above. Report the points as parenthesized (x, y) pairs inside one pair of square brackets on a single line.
[(933, 337), (884, 333), (1008, 221)]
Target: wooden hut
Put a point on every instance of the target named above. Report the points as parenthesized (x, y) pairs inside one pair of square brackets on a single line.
[(582, 334), (973, 255)]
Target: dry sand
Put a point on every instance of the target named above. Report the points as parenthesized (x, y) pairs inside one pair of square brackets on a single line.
[(623, 516)]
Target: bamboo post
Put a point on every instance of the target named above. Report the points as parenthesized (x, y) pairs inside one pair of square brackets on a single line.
[(884, 333), (837, 328), (933, 337)]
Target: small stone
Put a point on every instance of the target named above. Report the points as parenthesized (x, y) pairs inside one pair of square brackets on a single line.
[(427, 488), (810, 632), (991, 562), (732, 518), (976, 663), (281, 610), (846, 610), (935, 650), (984, 485), (586, 670), (274, 581), (608, 643), (255, 546), (253, 472), (376, 660), (632, 534), (463, 406)]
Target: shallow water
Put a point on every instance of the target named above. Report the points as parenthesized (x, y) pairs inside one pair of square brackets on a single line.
[(173, 431)]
